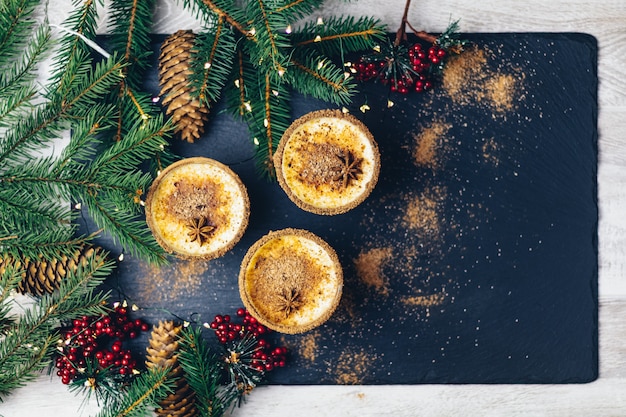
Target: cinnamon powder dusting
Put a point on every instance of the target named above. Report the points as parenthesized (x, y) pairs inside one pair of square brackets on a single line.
[(469, 80), (353, 366), (424, 300), (422, 212), (500, 90), (308, 346), (172, 282), (429, 143), (369, 266)]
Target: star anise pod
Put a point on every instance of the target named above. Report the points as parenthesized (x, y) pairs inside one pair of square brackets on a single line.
[(289, 301), (350, 168), (200, 230)]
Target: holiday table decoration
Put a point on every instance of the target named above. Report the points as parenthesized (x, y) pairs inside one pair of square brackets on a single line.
[(473, 261), (477, 242)]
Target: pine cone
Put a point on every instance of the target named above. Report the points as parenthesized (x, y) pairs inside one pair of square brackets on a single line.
[(41, 276), (188, 114), (163, 352)]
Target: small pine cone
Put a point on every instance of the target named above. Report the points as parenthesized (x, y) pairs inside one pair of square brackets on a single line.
[(43, 276), (162, 351), (188, 114)]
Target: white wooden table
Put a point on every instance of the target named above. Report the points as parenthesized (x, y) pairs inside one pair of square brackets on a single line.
[(606, 20)]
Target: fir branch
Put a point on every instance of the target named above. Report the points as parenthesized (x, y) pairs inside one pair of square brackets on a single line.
[(29, 134), (30, 365), (20, 212), (199, 9), (14, 106), (340, 35), (297, 9), (21, 70), (228, 11), (84, 142), (15, 19), (268, 31), (48, 244), (268, 119), (320, 78), (131, 106), (143, 394), (203, 372), (10, 278), (146, 138), (27, 347), (73, 51), (46, 121), (130, 36), (211, 62), (126, 229), (236, 98), (90, 87)]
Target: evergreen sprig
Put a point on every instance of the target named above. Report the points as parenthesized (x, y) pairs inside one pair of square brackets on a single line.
[(16, 18), (323, 79), (37, 184), (209, 75), (339, 35), (203, 371), (143, 395), (29, 343), (130, 38), (270, 61)]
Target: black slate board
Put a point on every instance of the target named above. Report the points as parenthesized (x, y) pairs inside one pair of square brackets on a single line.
[(486, 242)]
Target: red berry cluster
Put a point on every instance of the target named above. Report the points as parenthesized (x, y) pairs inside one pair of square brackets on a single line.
[(403, 69), (98, 339), (263, 356)]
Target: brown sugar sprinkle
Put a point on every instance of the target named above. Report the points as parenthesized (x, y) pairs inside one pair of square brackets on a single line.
[(286, 271), (308, 346), (424, 300), (490, 148), (462, 71), (468, 80), (171, 282), (429, 143), (369, 268), (352, 367), (422, 211), (500, 90)]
